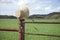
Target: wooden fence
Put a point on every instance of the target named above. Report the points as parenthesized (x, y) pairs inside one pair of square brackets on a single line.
[(21, 29)]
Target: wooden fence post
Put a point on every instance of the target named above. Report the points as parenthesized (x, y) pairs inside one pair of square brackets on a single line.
[(21, 29)]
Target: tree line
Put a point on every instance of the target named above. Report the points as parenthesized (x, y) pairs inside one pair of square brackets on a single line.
[(8, 17), (53, 15)]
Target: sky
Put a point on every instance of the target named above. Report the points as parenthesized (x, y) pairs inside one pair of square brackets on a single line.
[(9, 7)]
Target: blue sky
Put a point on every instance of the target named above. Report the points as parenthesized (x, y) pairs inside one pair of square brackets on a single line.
[(9, 7)]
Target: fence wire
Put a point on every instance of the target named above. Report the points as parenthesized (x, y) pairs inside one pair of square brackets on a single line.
[(44, 31), (8, 35)]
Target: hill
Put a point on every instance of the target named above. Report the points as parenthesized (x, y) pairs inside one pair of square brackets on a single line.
[(53, 15)]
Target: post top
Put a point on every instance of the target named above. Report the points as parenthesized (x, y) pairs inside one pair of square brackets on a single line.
[(22, 12)]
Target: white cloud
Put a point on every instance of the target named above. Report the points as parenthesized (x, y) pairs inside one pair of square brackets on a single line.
[(20, 2), (25, 2), (35, 6), (50, 9), (58, 9), (47, 8)]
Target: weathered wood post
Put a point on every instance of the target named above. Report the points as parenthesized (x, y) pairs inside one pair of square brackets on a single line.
[(21, 29), (21, 14)]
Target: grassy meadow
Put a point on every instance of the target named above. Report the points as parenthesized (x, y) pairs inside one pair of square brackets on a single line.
[(30, 28)]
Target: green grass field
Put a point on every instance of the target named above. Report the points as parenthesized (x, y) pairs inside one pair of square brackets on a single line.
[(30, 28)]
